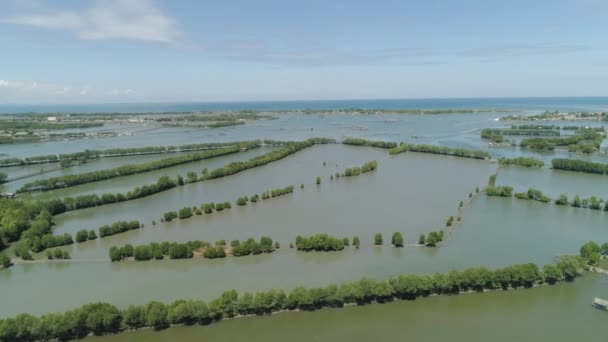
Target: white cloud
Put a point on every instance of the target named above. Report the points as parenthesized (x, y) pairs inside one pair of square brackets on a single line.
[(84, 91), (109, 19)]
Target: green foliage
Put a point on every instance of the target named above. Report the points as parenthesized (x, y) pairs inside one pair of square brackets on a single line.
[(434, 238), (365, 142), (118, 227), (577, 165), (591, 252), (356, 241), (457, 152), (184, 213), (82, 235), (356, 171), (318, 181), (522, 161), (491, 134), (378, 239), (422, 239), (501, 191), (562, 200), (397, 240), (124, 170), (5, 260), (242, 201), (319, 242), (170, 216)]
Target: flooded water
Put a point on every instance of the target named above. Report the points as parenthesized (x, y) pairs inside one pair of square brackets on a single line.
[(410, 193)]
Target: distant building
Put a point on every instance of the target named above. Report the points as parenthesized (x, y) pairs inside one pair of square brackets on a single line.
[(51, 118)]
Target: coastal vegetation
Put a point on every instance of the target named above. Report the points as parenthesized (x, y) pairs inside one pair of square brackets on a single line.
[(585, 140), (104, 318), (175, 250), (501, 191), (356, 171), (371, 143), (579, 166), (126, 170), (450, 151), (87, 155), (319, 242), (521, 161), (118, 227)]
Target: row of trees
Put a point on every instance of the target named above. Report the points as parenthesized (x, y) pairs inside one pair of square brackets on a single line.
[(104, 318), (319, 242), (175, 250), (84, 235), (22, 218), (450, 151), (579, 166), (288, 148), (118, 227), (355, 171), (125, 170), (208, 208), (522, 161), (592, 202), (57, 254), (371, 143), (533, 194), (58, 206)]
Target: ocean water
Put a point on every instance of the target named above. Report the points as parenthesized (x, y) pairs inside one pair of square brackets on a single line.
[(529, 103)]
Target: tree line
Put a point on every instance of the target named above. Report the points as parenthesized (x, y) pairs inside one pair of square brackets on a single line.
[(58, 206), (126, 170), (371, 143), (450, 151), (579, 166), (104, 318), (356, 171), (209, 207), (522, 161), (119, 227), (175, 250), (117, 152)]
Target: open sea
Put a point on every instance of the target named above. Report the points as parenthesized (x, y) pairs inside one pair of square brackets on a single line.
[(528, 103)]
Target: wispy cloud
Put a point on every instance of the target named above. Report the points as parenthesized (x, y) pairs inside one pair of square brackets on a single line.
[(109, 19)]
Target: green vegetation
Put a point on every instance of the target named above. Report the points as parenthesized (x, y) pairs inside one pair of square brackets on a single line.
[(522, 161), (378, 239), (250, 246), (450, 151), (104, 318), (126, 170), (87, 155), (501, 191), (397, 240), (318, 180), (118, 227), (287, 149), (490, 134), (356, 171), (5, 261), (356, 242), (422, 239), (434, 238), (533, 194), (319, 242), (57, 254), (372, 143), (584, 140), (591, 252), (579, 166)]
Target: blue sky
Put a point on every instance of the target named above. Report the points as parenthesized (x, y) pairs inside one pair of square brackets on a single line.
[(77, 51)]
